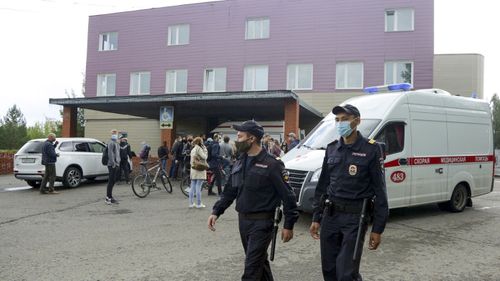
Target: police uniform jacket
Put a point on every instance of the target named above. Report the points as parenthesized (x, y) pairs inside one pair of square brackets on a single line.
[(259, 189), (352, 173)]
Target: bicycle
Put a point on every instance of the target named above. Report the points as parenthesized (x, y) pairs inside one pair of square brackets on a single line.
[(142, 184)]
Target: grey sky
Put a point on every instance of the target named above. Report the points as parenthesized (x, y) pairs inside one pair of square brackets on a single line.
[(44, 42)]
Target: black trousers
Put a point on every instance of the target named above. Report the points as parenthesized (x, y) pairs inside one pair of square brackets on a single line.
[(217, 180), (49, 176), (123, 171), (111, 180), (256, 236), (338, 238)]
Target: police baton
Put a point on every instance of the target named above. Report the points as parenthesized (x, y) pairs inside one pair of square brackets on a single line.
[(278, 213), (359, 238)]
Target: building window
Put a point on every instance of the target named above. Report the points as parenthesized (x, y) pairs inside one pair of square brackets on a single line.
[(349, 75), (257, 28), (178, 34), (398, 72), (215, 80), (106, 84), (256, 77), (299, 77), (399, 20), (140, 83), (108, 41), (176, 81)]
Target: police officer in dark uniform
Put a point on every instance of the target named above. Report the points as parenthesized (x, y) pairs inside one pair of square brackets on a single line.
[(352, 172), (258, 185)]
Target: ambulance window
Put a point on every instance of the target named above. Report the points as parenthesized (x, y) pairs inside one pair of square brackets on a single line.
[(393, 135)]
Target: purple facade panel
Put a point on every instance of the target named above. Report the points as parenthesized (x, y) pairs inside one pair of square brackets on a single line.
[(319, 32)]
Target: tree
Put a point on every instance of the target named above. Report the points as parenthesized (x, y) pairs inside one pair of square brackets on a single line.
[(37, 131), (495, 112), (14, 131)]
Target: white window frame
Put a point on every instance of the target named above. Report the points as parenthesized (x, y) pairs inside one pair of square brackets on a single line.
[(174, 30), (346, 78), (175, 71), (103, 48), (295, 68), (103, 92), (394, 70), (139, 74), (253, 69), (217, 71), (261, 21), (396, 16)]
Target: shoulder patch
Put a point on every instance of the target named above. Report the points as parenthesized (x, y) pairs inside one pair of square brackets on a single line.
[(372, 141)]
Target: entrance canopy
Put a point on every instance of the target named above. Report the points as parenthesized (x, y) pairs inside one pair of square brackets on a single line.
[(262, 105)]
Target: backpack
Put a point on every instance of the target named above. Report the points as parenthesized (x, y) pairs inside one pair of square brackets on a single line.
[(104, 159), (145, 152)]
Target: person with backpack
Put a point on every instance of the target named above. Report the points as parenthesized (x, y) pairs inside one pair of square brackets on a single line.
[(125, 154), (199, 154), (113, 152), (144, 155)]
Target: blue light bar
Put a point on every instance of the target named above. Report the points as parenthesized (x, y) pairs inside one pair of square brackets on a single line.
[(392, 87)]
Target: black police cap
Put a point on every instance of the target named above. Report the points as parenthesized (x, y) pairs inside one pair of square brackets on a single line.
[(251, 127), (348, 109)]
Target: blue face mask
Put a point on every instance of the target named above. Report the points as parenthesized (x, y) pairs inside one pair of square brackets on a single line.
[(344, 128), (114, 137)]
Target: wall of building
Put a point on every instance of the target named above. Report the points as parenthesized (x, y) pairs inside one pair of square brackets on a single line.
[(320, 32), (460, 74)]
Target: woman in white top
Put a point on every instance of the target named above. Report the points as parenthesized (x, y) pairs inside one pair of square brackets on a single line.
[(199, 152)]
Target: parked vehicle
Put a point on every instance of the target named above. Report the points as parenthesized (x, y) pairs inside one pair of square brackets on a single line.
[(439, 148), (79, 158)]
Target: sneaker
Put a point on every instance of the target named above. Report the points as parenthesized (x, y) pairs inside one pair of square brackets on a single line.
[(108, 201), (53, 192), (200, 206), (191, 206), (114, 201), (44, 192)]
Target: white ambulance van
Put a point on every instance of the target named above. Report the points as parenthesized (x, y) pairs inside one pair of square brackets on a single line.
[(439, 147)]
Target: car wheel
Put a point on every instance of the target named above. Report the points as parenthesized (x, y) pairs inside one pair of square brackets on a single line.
[(72, 177), (35, 184), (458, 200)]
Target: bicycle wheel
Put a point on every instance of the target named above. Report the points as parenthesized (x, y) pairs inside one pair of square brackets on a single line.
[(166, 183), (185, 185), (140, 187)]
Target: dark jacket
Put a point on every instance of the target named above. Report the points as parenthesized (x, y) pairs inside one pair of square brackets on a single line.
[(215, 157), (49, 155), (354, 172), (261, 188), (163, 152), (125, 152)]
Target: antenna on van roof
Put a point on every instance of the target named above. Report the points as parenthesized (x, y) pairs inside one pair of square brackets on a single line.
[(388, 88)]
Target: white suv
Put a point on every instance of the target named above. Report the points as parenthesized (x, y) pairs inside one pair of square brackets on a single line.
[(79, 158)]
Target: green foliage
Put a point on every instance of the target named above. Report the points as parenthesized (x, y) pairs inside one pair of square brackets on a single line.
[(38, 131), (13, 132), (80, 117), (495, 111)]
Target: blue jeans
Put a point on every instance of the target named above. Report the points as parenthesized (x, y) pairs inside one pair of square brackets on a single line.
[(195, 186), (164, 164)]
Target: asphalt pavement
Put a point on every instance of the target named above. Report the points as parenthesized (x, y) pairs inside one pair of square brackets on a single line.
[(75, 236)]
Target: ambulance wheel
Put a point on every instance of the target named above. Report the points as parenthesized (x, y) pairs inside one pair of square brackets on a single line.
[(458, 201)]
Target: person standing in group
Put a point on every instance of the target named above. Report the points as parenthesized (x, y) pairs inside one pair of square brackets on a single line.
[(49, 159), (215, 163), (198, 153), (186, 156), (144, 156), (352, 181), (274, 148), (125, 154), (163, 155), (176, 157), (258, 184), (113, 166), (293, 141), (227, 154), (266, 142)]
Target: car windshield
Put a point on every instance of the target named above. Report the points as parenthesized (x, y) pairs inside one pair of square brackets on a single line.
[(32, 147), (325, 132)]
